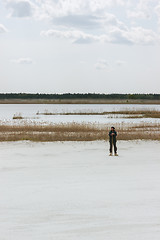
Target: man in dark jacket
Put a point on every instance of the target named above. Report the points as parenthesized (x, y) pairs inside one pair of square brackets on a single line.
[(112, 141)]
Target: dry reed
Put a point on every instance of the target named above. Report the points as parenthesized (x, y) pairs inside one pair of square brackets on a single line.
[(121, 114), (78, 132), (17, 116)]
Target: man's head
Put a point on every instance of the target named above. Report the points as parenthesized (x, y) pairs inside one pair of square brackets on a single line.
[(112, 128)]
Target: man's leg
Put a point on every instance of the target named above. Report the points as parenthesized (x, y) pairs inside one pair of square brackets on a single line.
[(110, 149), (115, 148)]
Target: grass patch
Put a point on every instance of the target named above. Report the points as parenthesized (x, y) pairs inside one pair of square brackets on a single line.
[(113, 114), (78, 132), (17, 116)]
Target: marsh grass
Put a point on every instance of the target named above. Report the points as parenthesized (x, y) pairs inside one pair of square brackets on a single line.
[(139, 113), (77, 132), (17, 116), (113, 114)]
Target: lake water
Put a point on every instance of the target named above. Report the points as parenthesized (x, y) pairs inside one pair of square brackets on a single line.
[(29, 112)]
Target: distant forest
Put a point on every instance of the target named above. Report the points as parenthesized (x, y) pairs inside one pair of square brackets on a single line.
[(5, 96)]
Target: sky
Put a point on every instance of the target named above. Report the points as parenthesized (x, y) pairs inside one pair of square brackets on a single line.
[(80, 46)]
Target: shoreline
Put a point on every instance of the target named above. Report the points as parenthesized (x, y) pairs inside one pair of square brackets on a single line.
[(79, 101)]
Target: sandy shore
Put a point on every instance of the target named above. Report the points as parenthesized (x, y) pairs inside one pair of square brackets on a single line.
[(79, 101), (75, 191)]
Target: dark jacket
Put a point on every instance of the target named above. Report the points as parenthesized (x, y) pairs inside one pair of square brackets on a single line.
[(112, 138)]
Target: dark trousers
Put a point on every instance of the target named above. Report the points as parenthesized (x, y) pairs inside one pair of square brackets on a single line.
[(113, 145)]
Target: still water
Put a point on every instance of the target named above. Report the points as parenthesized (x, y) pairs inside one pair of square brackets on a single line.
[(29, 113)]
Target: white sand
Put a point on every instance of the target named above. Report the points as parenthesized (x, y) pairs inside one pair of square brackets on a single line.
[(72, 191)]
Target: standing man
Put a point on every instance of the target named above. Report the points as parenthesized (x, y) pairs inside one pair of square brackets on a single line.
[(112, 141)]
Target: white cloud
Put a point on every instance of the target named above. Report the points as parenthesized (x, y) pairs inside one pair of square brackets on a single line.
[(75, 36), (157, 11), (102, 65), (78, 21), (119, 36), (135, 35), (92, 23), (140, 35), (26, 61), (138, 14), (88, 21), (20, 8), (3, 29), (61, 8), (142, 10)]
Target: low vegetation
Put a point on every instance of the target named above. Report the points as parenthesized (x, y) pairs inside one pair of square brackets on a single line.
[(121, 114), (78, 98), (17, 116), (77, 132)]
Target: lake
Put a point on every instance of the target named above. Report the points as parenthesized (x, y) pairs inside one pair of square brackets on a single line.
[(29, 112)]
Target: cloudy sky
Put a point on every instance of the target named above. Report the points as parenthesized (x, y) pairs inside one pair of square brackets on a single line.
[(57, 46)]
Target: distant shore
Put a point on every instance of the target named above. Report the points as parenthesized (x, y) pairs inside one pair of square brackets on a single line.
[(79, 101)]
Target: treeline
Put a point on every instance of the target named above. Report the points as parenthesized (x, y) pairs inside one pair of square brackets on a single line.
[(25, 96)]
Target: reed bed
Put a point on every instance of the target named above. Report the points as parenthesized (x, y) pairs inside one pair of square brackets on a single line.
[(121, 114), (77, 132), (17, 116)]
